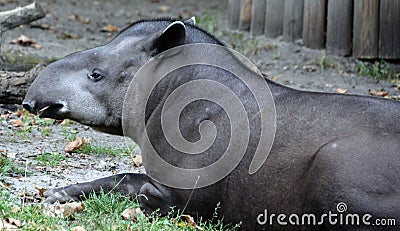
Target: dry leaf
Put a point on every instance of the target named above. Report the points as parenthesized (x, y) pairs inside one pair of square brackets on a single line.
[(378, 93), (68, 209), (310, 68), (6, 226), (109, 28), (10, 224), (14, 222), (5, 116), (341, 90), (65, 35), (41, 190), (23, 40), (189, 221), (16, 123), (36, 46), (84, 20), (19, 113), (131, 214), (73, 17), (164, 8), (75, 145), (81, 19), (137, 160), (78, 228), (40, 26)]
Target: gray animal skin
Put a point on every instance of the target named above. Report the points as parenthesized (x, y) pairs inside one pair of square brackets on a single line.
[(328, 148)]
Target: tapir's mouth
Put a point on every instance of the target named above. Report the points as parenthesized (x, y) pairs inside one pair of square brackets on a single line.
[(53, 111)]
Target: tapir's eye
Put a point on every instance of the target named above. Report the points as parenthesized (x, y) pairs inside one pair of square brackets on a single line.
[(96, 74)]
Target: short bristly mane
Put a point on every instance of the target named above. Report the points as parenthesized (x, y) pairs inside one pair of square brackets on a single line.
[(170, 19)]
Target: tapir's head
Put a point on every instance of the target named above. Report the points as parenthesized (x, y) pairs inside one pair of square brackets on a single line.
[(89, 86)]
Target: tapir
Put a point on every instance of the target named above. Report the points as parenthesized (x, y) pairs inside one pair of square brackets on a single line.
[(333, 154)]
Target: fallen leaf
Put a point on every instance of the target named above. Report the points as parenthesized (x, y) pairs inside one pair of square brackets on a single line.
[(41, 191), (65, 35), (19, 113), (16, 123), (36, 46), (164, 8), (341, 90), (78, 228), (11, 222), (5, 116), (40, 26), (75, 145), (6, 226), (310, 68), (130, 214), (23, 40), (378, 93), (84, 20), (68, 209), (15, 222), (137, 160), (109, 28), (189, 221), (73, 17)]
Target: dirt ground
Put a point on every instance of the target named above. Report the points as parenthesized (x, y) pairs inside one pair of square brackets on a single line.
[(74, 25)]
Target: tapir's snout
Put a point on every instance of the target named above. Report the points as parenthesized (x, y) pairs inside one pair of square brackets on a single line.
[(30, 106), (55, 110)]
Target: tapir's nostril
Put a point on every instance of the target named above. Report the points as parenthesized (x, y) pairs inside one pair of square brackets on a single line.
[(29, 106)]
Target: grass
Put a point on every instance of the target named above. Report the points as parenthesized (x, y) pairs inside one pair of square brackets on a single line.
[(101, 149), (69, 134), (379, 70), (209, 21), (30, 122), (52, 159), (325, 62), (238, 41), (101, 212), (7, 167), (24, 132)]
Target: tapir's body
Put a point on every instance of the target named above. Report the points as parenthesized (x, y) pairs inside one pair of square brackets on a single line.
[(328, 148)]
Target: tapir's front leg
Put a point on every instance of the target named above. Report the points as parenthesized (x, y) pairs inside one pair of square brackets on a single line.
[(126, 183)]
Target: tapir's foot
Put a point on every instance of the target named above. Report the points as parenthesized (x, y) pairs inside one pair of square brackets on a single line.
[(152, 198), (127, 184), (63, 194)]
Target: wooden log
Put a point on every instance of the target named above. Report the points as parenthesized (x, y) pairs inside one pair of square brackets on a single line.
[(257, 17), (389, 29), (21, 15), (274, 18), (245, 14), (234, 14), (314, 22), (339, 27), (366, 29), (293, 20), (15, 85)]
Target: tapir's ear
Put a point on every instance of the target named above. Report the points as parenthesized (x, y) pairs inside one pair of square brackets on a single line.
[(172, 36), (191, 20)]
